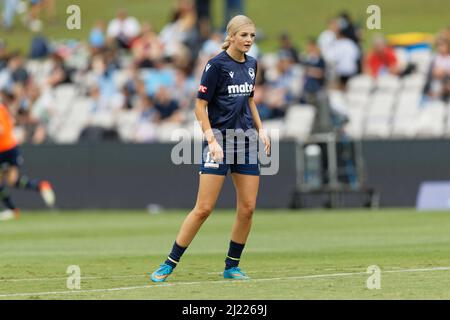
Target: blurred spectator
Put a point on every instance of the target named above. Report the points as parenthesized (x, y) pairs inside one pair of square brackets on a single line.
[(286, 45), (181, 33), (212, 46), (327, 37), (381, 59), (132, 88), (314, 92), (438, 82), (167, 107), (264, 110), (3, 55), (145, 130), (39, 47), (16, 66), (184, 91), (348, 28), (161, 76), (123, 29), (344, 55), (146, 48), (31, 128), (286, 76), (97, 38), (9, 12), (350, 31), (106, 96), (59, 73), (36, 7)]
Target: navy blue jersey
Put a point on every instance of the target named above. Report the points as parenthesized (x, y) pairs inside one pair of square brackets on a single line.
[(227, 84)]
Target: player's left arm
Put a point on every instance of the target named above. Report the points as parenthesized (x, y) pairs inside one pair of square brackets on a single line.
[(258, 125)]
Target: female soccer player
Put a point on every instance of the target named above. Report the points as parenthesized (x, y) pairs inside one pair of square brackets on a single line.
[(226, 90), (10, 176)]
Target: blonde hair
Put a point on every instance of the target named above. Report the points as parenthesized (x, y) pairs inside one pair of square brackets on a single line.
[(234, 25)]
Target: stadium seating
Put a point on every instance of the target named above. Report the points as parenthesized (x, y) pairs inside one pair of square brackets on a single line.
[(388, 107), (298, 121)]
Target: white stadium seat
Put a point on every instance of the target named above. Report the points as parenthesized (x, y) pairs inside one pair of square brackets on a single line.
[(354, 128), (381, 104), (126, 121), (388, 83), (360, 83), (422, 59), (414, 82), (299, 121), (431, 120), (274, 125)]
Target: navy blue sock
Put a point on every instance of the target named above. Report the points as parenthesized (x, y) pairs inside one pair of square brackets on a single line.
[(175, 255), (26, 183), (5, 198), (234, 255)]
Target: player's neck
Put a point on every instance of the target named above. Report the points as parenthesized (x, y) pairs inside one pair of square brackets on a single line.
[(236, 54)]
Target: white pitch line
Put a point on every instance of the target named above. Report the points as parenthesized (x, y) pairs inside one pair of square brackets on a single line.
[(94, 277), (217, 281), (64, 278)]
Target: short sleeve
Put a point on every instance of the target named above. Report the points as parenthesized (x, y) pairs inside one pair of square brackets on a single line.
[(208, 83)]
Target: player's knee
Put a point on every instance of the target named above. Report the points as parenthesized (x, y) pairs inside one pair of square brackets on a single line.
[(246, 210), (11, 180), (202, 212)]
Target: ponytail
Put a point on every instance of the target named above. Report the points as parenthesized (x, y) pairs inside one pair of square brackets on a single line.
[(226, 43)]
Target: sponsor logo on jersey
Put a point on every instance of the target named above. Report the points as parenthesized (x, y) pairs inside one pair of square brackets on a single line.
[(202, 89), (207, 67), (240, 89), (231, 73), (251, 72)]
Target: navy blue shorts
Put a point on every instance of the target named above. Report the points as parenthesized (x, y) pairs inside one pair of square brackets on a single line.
[(243, 163), (11, 157)]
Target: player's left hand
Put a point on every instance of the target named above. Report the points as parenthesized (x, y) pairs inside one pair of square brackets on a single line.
[(266, 140)]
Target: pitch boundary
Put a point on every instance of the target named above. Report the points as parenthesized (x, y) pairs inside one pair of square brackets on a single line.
[(342, 274)]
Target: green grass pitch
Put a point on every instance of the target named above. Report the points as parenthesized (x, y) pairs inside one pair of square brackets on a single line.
[(306, 254)]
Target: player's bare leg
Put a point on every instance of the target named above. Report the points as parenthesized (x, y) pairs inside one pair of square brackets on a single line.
[(11, 211), (246, 193), (208, 192), (13, 178)]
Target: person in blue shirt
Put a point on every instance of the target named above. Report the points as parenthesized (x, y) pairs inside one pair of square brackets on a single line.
[(225, 109)]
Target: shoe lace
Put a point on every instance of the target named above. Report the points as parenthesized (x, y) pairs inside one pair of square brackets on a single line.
[(165, 268)]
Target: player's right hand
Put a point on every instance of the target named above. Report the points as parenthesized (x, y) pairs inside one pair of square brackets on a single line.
[(215, 151)]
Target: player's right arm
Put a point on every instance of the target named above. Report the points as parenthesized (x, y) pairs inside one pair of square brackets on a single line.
[(206, 92), (202, 117)]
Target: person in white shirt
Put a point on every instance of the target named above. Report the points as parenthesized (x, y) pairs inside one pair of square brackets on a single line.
[(344, 55), (123, 29), (327, 38)]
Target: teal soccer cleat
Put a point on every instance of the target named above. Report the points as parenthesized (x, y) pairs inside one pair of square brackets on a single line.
[(235, 273), (161, 274)]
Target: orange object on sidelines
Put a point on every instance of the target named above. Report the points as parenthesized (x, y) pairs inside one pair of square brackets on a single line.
[(7, 139)]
